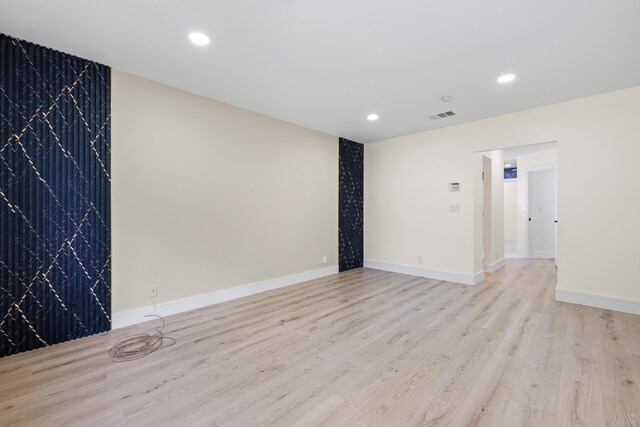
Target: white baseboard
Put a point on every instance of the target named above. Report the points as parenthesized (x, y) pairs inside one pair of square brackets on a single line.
[(513, 255), (492, 268), (478, 277), (132, 317), (543, 254), (600, 301), (466, 279)]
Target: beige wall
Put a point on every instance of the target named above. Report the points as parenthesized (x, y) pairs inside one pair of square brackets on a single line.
[(486, 209), (497, 207), (206, 196), (492, 232), (406, 196), (511, 211)]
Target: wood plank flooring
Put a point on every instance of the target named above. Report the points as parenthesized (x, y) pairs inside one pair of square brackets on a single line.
[(364, 347)]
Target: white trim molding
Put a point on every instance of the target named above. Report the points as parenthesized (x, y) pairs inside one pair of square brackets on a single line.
[(624, 305), (492, 268), (465, 279), (135, 316)]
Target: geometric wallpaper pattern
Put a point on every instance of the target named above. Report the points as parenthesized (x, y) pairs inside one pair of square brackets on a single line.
[(55, 239), (510, 173), (351, 205)]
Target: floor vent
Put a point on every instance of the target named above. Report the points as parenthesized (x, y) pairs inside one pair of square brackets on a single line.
[(443, 115)]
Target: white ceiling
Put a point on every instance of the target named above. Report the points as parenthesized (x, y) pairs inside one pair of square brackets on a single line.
[(511, 154), (326, 64)]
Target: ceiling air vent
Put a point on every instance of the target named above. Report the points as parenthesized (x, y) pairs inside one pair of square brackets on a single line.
[(443, 115)]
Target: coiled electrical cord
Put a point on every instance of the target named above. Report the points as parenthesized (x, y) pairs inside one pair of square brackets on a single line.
[(138, 346)]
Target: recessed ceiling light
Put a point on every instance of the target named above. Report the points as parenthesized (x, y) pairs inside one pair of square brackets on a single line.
[(199, 39), (506, 78), (507, 166), (372, 117)]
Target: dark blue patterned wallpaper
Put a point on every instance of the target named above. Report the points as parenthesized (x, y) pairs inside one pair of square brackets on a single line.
[(351, 197), (510, 173), (55, 243)]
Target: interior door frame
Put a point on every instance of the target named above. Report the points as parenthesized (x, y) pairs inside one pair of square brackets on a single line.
[(538, 168)]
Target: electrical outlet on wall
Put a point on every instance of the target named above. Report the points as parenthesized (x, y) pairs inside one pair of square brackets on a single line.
[(419, 259), (324, 259), (154, 291)]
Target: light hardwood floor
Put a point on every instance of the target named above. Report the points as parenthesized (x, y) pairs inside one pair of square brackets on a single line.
[(364, 347)]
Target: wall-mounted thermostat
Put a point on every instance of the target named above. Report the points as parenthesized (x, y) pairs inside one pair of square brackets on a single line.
[(454, 186)]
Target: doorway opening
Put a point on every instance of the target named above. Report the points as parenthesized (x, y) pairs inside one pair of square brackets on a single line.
[(516, 204), (530, 201)]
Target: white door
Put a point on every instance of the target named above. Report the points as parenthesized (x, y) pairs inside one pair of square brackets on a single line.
[(542, 213)]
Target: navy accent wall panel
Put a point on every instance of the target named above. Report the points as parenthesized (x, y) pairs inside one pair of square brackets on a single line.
[(55, 242), (351, 197)]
